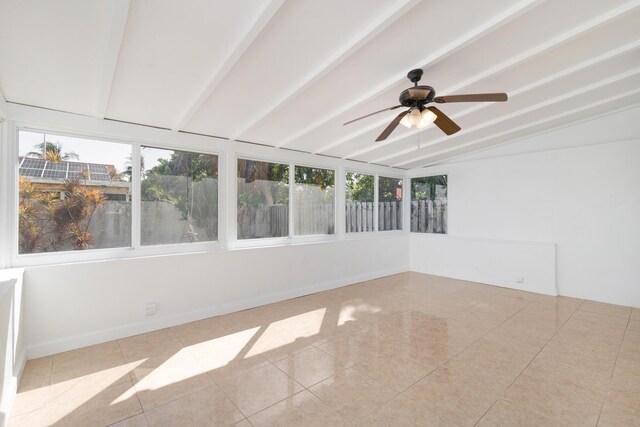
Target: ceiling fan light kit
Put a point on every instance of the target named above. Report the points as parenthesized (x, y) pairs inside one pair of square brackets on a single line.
[(420, 115)]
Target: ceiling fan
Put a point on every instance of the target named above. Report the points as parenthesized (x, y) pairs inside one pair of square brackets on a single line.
[(419, 115)]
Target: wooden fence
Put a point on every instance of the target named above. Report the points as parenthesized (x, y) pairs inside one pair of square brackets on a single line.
[(273, 220), (429, 216), (359, 216)]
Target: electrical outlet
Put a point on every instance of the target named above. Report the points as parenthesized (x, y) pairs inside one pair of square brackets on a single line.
[(149, 309)]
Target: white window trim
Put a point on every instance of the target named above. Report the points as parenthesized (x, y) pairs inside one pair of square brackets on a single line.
[(136, 249), (20, 117), (415, 175), (404, 203)]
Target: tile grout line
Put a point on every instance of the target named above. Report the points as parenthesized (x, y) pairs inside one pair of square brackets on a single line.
[(626, 328), (531, 361), (460, 352)]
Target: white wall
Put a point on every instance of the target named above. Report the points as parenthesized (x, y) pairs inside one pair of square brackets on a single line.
[(527, 266), (70, 306), (585, 199)]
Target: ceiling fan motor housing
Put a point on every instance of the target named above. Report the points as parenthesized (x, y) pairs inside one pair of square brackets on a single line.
[(408, 101)]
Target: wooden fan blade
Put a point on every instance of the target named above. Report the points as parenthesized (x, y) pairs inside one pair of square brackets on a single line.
[(371, 114), (443, 121), (418, 93), (476, 97), (392, 126)]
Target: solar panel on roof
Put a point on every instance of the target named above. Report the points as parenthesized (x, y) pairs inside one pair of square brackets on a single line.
[(54, 174), (100, 177), (93, 168), (30, 172), (56, 166), (33, 163)]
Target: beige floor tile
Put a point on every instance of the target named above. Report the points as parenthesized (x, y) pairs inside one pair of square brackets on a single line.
[(155, 343), (202, 408), (34, 390), (456, 393), (456, 351), (634, 324), (626, 376), (621, 409), (275, 343), (545, 393), (524, 331), (396, 372), (243, 423), (607, 309), (94, 406), (311, 366), (352, 394), (31, 419), (594, 366), (505, 414), (137, 421), (353, 348), (163, 379), (259, 388), (199, 331), (506, 304), (86, 361), (301, 409), (405, 412), (496, 363), (227, 356)]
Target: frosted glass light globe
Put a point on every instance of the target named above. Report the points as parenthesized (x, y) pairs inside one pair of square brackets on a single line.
[(427, 117), (415, 117)]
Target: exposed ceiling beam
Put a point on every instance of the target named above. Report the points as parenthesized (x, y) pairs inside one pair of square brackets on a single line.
[(538, 106), (604, 103), (118, 27), (512, 94), (525, 56), (371, 31), (479, 31), (256, 27), (463, 156)]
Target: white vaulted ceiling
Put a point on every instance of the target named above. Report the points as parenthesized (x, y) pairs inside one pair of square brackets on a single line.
[(289, 73)]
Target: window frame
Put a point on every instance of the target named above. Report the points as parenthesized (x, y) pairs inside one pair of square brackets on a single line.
[(312, 237), (410, 179), (228, 151), (360, 234), (403, 202), (291, 238), (136, 249)]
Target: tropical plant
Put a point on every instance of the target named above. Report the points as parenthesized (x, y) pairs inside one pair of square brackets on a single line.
[(48, 222), (52, 152)]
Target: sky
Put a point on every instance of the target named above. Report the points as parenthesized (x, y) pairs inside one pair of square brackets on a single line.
[(91, 150)]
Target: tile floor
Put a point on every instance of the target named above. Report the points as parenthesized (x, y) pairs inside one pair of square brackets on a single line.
[(409, 349)]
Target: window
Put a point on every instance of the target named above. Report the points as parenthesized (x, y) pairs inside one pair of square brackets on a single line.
[(314, 201), (73, 193), (429, 204), (179, 193), (359, 189), (263, 199), (389, 203)]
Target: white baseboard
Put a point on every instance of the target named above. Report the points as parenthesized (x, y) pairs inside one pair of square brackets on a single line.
[(105, 335)]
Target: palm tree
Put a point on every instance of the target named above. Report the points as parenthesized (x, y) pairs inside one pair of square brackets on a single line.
[(51, 152)]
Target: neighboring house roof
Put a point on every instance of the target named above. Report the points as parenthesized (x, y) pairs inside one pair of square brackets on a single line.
[(59, 171)]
